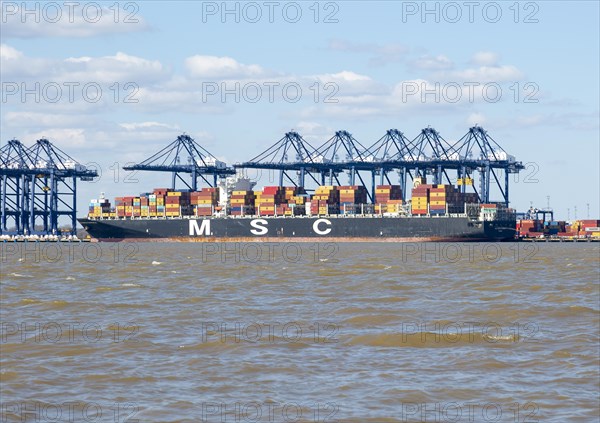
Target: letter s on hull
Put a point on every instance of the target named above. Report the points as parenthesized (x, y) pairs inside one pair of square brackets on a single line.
[(320, 231), (204, 228), (259, 230)]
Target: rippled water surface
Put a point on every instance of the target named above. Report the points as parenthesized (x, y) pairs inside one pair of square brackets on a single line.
[(173, 332)]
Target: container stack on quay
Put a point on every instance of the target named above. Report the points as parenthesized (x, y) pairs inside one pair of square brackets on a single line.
[(388, 198), (589, 228), (577, 228), (326, 200), (205, 201), (242, 203), (532, 228)]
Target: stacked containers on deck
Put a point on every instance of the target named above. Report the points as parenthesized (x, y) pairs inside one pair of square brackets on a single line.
[(293, 204), (267, 200), (99, 208), (296, 196), (124, 206), (326, 200), (351, 198), (160, 193), (205, 201), (144, 205), (152, 205), (468, 197), (440, 196), (177, 203), (420, 199), (242, 203), (388, 198)]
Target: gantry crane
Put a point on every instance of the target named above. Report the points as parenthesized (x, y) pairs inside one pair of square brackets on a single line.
[(183, 156), (38, 183)]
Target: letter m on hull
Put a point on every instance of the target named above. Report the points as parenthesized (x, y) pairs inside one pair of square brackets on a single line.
[(203, 229)]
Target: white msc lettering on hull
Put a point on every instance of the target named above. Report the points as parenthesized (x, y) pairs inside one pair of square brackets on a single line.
[(203, 229), (259, 230), (321, 231)]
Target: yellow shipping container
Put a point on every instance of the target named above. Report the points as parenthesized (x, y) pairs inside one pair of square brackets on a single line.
[(438, 203), (382, 191), (238, 201), (174, 194)]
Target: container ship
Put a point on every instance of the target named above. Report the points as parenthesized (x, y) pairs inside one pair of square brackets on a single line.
[(234, 212)]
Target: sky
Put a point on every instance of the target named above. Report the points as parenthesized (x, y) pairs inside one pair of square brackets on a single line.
[(112, 83)]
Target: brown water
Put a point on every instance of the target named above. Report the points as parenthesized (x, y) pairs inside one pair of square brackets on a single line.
[(305, 332)]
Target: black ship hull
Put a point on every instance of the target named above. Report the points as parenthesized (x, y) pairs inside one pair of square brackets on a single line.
[(301, 228)]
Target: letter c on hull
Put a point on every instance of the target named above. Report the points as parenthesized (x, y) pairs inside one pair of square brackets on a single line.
[(321, 231)]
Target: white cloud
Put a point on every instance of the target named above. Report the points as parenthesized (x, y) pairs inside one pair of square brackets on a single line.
[(133, 126), (484, 74), (426, 62), (67, 137), (121, 68), (9, 53), (58, 19), (347, 83), (345, 76), (485, 58), (476, 119), (380, 54), (220, 67), (313, 132)]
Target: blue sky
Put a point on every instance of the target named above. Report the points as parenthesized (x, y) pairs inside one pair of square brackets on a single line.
[(373, 54)]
